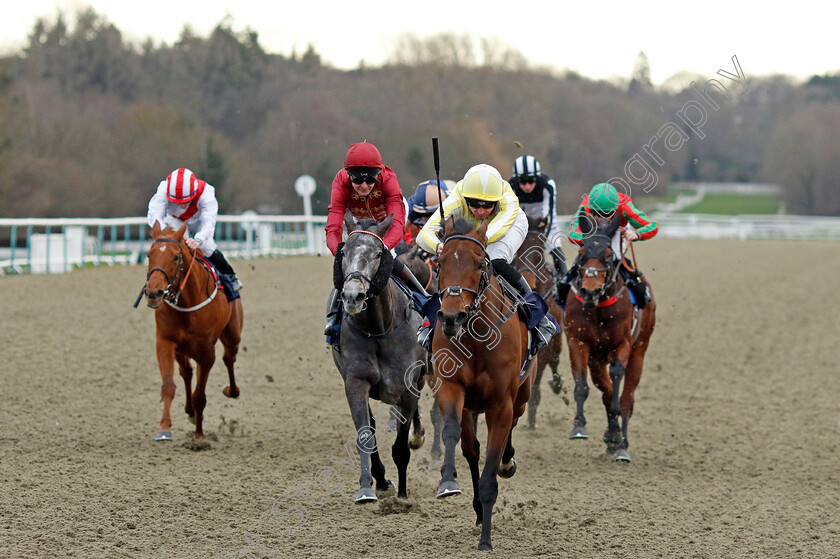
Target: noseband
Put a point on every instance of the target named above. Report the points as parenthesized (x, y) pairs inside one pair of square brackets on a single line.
[(170, 293), (611, 272), (357, 275), (483, 282)]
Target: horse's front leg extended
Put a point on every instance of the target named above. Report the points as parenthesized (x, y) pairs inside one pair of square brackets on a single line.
[(471, 449), (357, 392), (451, 400), (400, 451), (613, 436), (579, 356), (166, 363)]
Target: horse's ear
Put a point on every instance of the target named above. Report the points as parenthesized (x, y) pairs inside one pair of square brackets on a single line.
[(383, 226), (181, 230), (585, 223), (612, 224), (482, 231), (448, 226), (156, 229), (349, 224)]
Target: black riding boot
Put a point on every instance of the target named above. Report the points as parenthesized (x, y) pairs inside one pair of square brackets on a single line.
[(559, 261), (636, 285), (402, 271), (564, 285), (221, 263), (333, 308), (545, 329)]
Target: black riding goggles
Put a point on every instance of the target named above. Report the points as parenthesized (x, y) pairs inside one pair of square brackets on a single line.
[(476, 203), (366, 177), (527, 179)]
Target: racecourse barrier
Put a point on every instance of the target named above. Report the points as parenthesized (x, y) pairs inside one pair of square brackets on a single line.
[(59, 245)]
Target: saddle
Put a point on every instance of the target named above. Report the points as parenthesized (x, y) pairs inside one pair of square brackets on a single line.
[(223, 281)]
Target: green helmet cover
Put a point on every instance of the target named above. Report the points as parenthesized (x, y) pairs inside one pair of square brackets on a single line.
[(603, 198)]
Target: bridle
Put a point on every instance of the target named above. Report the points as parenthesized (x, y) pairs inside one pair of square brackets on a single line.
[(483, 282), (357, 275), (610, 270), (170, 295)]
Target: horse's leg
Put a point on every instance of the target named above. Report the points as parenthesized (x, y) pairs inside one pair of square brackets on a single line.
[(437, 423), (418, 432), (613, 436), (534, 401), (357, 392), (632, 376), (401, 453), (377, 468), (471, 450), (166, 363), (579, 356), (185, 368), (230, 338), (508, 466), (451, 401), (199, 397), (499, 425)]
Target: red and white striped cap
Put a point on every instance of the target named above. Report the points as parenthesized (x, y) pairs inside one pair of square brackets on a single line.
[(181, 186)]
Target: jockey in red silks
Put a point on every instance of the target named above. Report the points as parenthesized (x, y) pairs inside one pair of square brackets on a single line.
[(369, 190)]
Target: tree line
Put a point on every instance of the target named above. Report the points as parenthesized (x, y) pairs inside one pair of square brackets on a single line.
[(89, 124)]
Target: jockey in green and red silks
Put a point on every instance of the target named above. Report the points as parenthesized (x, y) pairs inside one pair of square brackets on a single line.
[(604, 200)]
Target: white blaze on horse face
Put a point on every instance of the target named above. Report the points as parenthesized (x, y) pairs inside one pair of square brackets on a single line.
[(162, 249)]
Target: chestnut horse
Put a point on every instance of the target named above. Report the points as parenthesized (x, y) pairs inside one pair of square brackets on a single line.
[(530, 261), (602, 332), (480, 344), (188, 325)]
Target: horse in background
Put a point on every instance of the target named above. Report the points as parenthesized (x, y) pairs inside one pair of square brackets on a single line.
[(378, 355), (603, 331), (530, 261), (188, 325), (480, 345)]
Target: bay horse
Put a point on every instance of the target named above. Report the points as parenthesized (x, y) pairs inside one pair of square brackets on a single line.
[(480, 344), (602, 332), (530, 261), (378, 355), (188, 325)]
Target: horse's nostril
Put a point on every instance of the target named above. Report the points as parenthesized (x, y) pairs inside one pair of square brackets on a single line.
[(461, 318)]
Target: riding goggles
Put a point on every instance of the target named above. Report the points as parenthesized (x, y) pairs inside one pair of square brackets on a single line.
[(359, 178), (476, 203), (527, 179)]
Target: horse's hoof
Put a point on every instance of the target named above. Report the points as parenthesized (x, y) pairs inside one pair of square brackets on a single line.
[(416, 441), (229, 393), (485, 546), (620, 455), (388, 486), (447, 489), (163, 435), (192, 419), (506, 471), (556, 385), (579, 432), (365, 495)]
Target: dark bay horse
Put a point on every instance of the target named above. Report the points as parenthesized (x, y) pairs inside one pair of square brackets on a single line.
[(530, 261), (378, 355), (602, 332), (195, 315), (480, 344)]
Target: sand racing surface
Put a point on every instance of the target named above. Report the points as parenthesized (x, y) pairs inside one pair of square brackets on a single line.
[(734, 438)]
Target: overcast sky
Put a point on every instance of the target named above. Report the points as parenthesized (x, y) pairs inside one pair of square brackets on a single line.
[(596, 39)]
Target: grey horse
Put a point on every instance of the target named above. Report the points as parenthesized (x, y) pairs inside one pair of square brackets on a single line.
[(378, 355)]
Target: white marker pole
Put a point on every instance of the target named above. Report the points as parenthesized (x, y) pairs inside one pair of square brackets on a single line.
[(305, 186)]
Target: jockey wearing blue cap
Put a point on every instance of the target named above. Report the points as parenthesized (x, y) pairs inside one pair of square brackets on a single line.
[(425, 201)]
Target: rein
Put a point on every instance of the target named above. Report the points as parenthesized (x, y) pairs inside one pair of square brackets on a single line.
[(171, 297)]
